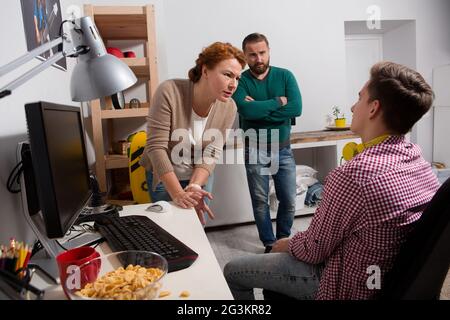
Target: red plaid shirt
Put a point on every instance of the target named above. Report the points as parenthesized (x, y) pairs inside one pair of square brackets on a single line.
[(365, 214)]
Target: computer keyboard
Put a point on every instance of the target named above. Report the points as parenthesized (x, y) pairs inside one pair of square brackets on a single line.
[(141, 233)]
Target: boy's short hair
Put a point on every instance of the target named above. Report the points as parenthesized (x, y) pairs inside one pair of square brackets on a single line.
[(403, 93)]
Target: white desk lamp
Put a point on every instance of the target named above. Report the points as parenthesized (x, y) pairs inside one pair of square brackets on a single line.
[(97, 73)]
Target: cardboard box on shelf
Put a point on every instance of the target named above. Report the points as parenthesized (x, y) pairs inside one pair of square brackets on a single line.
[(121, 147)]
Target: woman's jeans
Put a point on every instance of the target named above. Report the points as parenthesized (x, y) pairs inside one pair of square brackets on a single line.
[(279, 272), (161, 194), (259, 165)]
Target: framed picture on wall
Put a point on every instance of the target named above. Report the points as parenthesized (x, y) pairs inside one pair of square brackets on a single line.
[(42, 20)]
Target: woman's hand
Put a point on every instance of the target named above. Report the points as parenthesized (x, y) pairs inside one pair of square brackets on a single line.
[(201, 208), (187, 199)]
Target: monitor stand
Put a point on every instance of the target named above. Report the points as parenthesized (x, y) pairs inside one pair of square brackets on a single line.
[(45, 263)]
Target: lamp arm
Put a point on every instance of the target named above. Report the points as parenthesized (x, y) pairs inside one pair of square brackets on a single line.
[(6, 90), (111, 74), (30, 55)]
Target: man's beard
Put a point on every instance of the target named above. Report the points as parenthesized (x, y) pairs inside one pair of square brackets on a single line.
[(259, 68)]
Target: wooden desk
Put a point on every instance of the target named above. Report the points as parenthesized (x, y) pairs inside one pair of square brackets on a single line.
[(322, 135), (204, 279), (305, 137)]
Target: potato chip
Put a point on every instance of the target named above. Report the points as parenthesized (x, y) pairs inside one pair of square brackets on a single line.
[(184, 294), (163, 294)]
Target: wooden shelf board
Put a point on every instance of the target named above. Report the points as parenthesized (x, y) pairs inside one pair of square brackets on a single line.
[(116, 161), (121, 22), (125, 113), (138, 31), (323, 135), (119, 10), (140, 66), (136, 62)]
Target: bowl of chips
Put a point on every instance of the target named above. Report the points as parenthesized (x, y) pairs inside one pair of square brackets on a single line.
[(124, 275)]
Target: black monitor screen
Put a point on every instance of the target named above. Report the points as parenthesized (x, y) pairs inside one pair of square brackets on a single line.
[(59, 163)]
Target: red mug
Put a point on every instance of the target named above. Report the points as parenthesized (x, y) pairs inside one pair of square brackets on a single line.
[(74, 278)]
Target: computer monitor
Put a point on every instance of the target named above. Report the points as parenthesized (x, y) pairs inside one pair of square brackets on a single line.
[(59, 162)]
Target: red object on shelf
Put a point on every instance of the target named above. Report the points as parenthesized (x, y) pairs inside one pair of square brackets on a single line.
[(115, 52), (129, 54)]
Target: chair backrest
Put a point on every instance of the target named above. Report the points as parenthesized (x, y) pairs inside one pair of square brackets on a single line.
[(423, 261)]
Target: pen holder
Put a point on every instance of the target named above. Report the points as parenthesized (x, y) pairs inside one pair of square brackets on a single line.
[(16, 286)]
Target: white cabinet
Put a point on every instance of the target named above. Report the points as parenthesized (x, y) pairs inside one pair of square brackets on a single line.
[(321, 150)]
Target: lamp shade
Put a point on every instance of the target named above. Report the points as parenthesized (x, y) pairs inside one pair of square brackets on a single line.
[(97, 73), (100, 77)]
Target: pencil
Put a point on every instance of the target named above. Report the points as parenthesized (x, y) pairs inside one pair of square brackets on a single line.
[(27, 257), (23, 255)]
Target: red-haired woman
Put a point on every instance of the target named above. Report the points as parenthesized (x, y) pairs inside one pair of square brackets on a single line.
[(186, 128)]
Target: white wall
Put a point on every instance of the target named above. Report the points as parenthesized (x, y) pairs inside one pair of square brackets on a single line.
[(305, 36), (400, 45), (433, 49)]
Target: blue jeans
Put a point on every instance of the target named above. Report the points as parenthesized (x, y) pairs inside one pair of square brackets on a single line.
[(285, 189), (279, 272), (160, 193)]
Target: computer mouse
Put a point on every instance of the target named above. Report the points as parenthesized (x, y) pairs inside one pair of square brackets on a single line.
[(159, 206)]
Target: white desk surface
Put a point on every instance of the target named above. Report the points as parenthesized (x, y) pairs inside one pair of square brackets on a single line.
[(203, 279)]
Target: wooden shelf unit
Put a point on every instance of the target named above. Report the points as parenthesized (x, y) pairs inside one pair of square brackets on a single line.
[(122, 23)]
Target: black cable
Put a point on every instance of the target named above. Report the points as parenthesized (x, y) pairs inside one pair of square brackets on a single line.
[(97, 196), (61, 26), (59, 244), (61, 45), (14, 178), (98, 242)]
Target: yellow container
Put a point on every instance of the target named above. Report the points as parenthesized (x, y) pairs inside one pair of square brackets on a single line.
[(340, 123)]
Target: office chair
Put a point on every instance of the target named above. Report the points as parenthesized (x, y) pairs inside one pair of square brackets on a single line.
[(423, 261), (422, 264)]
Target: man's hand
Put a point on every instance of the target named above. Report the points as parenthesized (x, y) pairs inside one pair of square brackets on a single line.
[(248, 98), (284, 101), (281, 245)]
